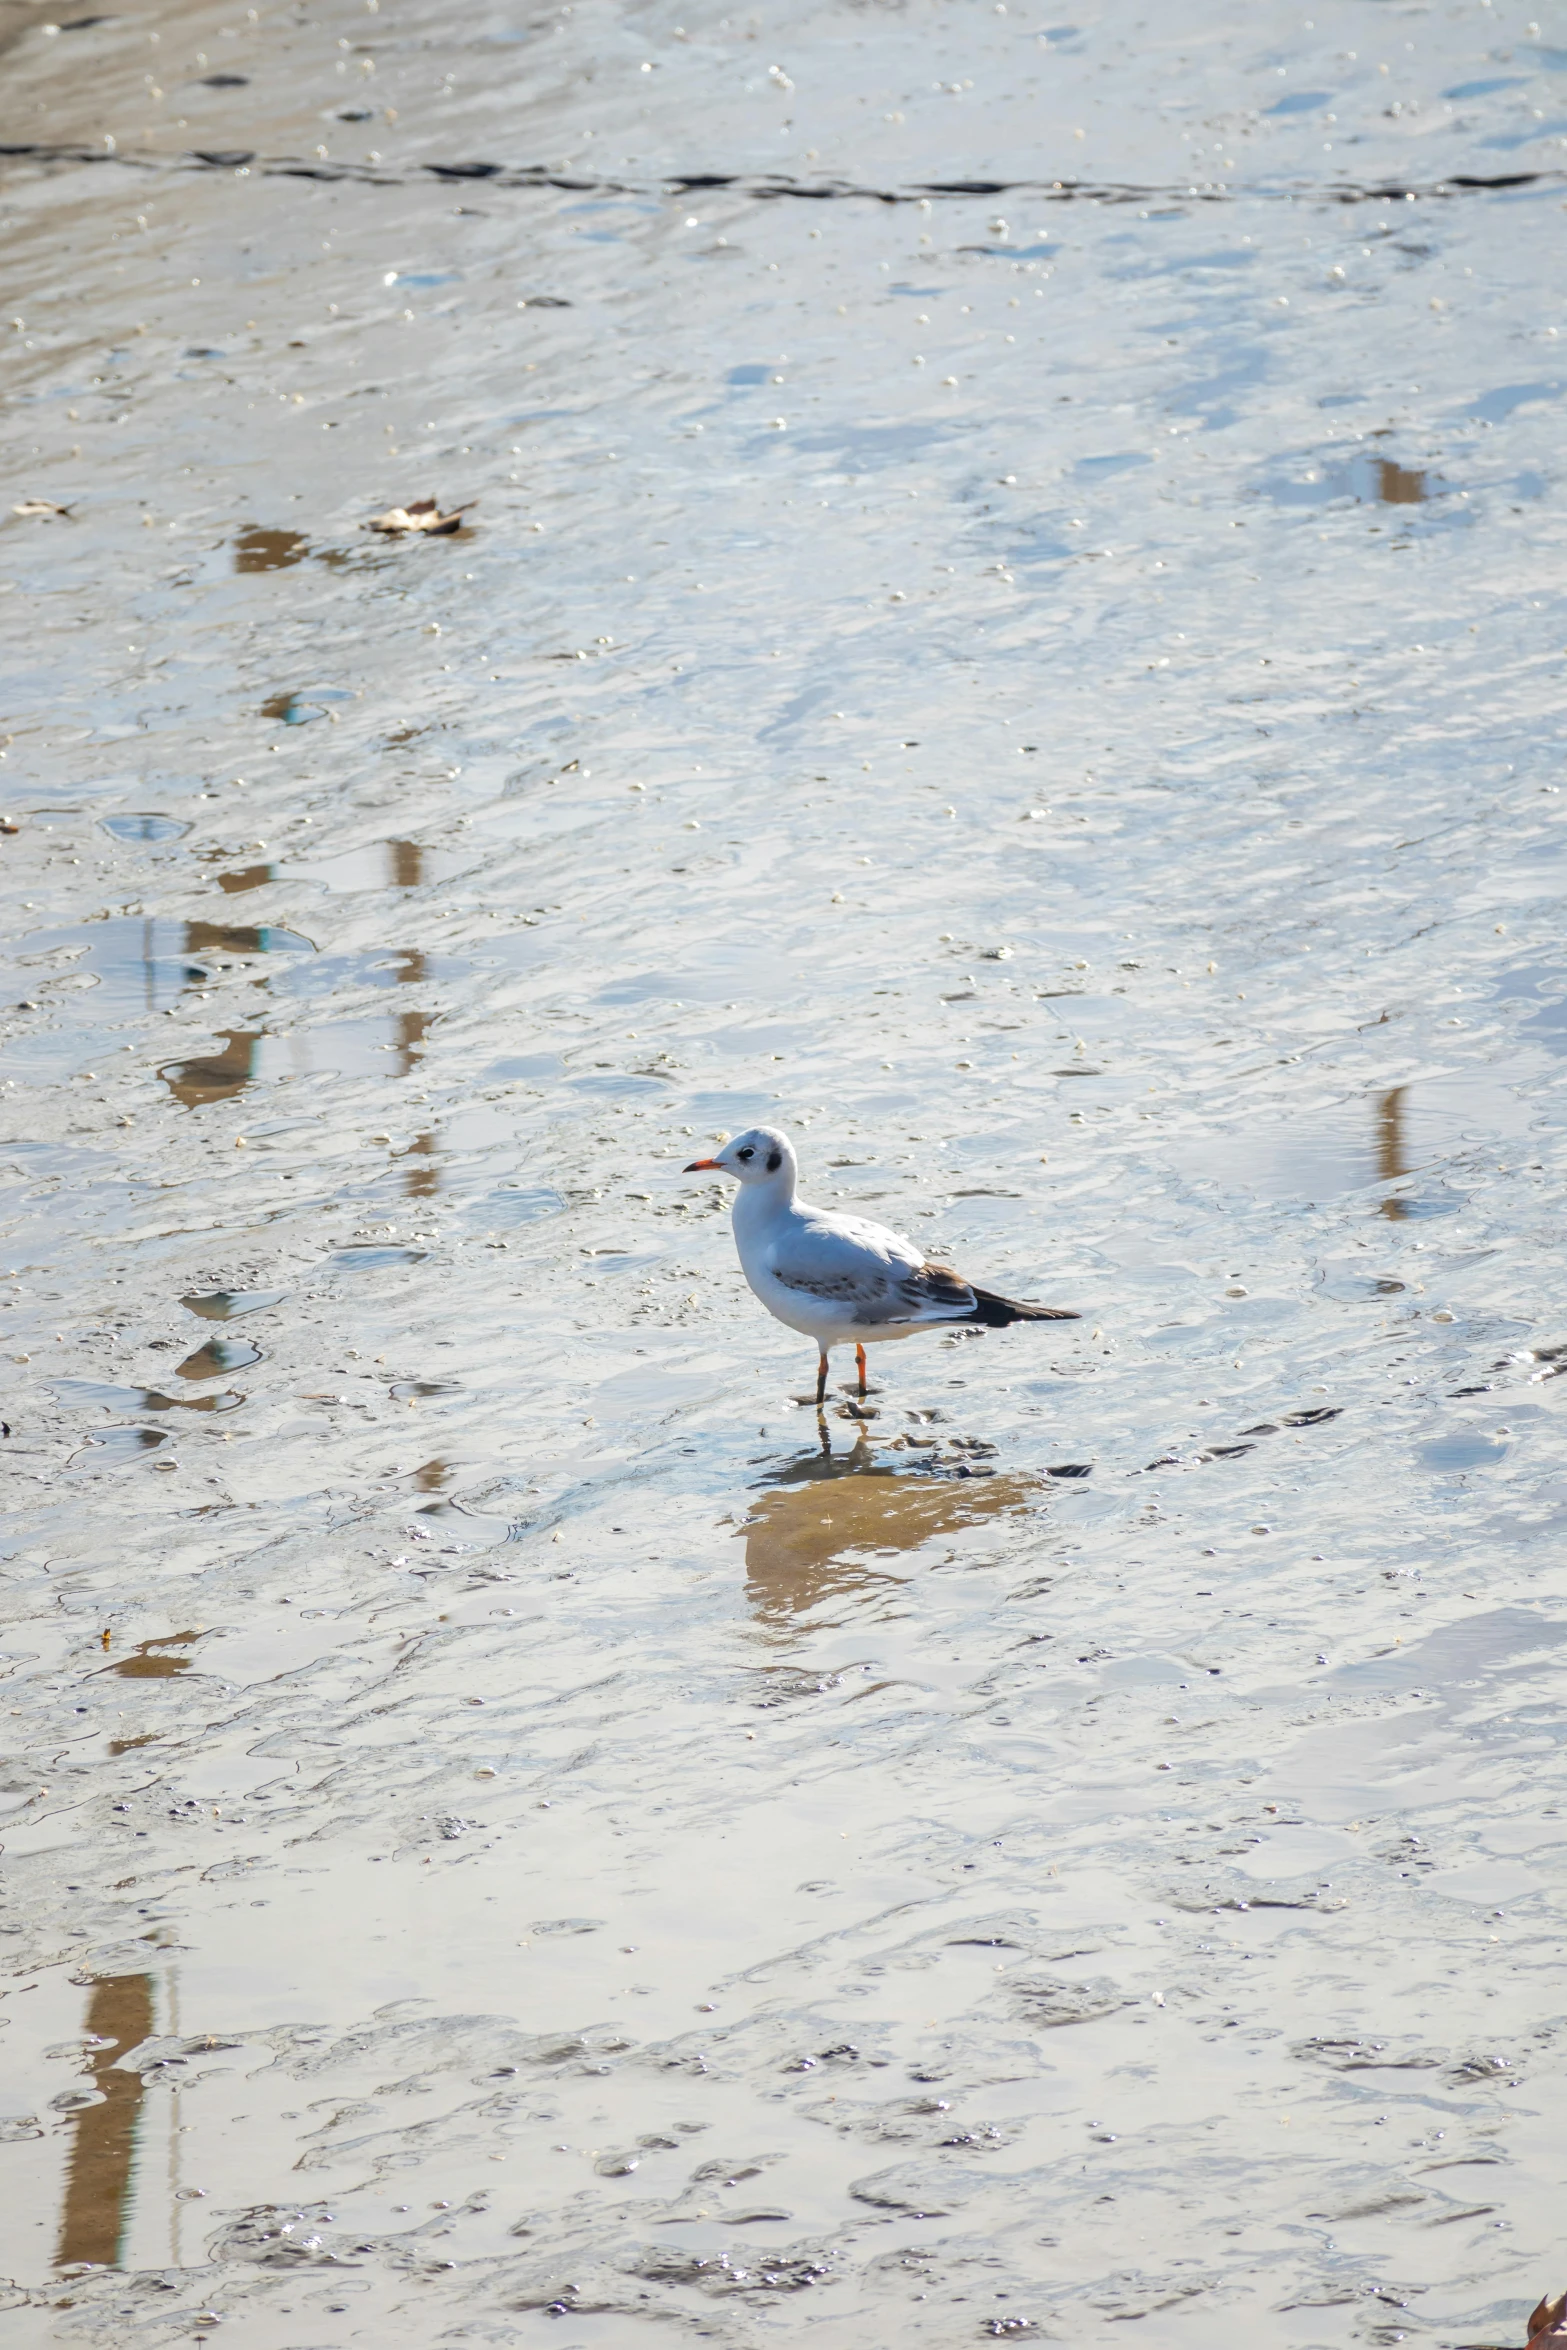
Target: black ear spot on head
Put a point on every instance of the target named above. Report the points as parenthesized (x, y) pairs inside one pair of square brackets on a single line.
[(774, 1161)]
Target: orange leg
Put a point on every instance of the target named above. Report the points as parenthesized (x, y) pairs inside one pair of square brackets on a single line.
[(859, 1357), (821, 1382)]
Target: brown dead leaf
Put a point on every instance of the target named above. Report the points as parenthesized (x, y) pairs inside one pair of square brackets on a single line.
[(423, 515), (32, 508), (1547, 2328), (1549, 2323)]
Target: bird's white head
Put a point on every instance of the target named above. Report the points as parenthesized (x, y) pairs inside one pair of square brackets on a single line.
[(762, 1154)]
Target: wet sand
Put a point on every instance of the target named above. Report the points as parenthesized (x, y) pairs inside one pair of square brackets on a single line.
[(1011, 622)]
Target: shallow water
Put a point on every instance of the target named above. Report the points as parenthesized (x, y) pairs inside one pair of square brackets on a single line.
[(1078, 742)]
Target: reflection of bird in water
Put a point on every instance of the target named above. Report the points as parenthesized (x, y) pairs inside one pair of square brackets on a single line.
[(819, 1531), (841, 1278), (1392, 1149)]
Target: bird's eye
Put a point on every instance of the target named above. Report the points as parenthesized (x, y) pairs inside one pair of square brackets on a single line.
[(746, 1154)]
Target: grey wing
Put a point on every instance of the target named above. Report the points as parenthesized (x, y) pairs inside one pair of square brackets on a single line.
[(850, 1263)]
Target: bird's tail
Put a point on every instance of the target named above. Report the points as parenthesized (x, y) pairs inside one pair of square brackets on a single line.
[(996, 1312)]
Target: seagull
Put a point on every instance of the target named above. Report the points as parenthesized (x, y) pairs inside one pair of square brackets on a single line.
[(837, 1278)]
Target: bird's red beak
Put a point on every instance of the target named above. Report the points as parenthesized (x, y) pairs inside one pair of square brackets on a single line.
[(697, 1166)]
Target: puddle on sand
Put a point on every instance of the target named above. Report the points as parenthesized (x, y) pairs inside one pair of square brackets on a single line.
[(218, 1357), (1392, 1147), (1452, 1456), (380, 967), (304, 706), (215, 1077), (156, 1660), (257, 549), (386, 864), (102, 2156), (229, 1400), (144, 827), (1400, 485), (107, 1447), (230, 938), (1365, 479), (144, 964), (812, 1537), (421, 1173), (387, 1044), (381, 864), (518, 1203), (226, 1305), (1396, 1136), (520, 1068), (408, 1043), (464, 1526), (108, 1397)]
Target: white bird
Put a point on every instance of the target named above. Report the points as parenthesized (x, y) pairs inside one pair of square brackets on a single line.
[(837, 1278)]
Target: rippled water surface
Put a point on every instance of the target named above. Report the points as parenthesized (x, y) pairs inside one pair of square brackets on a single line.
[(1009, 619)]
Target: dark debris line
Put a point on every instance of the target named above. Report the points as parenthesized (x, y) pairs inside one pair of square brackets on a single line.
[(772, 185)]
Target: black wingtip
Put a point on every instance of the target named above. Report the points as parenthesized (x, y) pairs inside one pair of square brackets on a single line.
[(995, 1313)]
